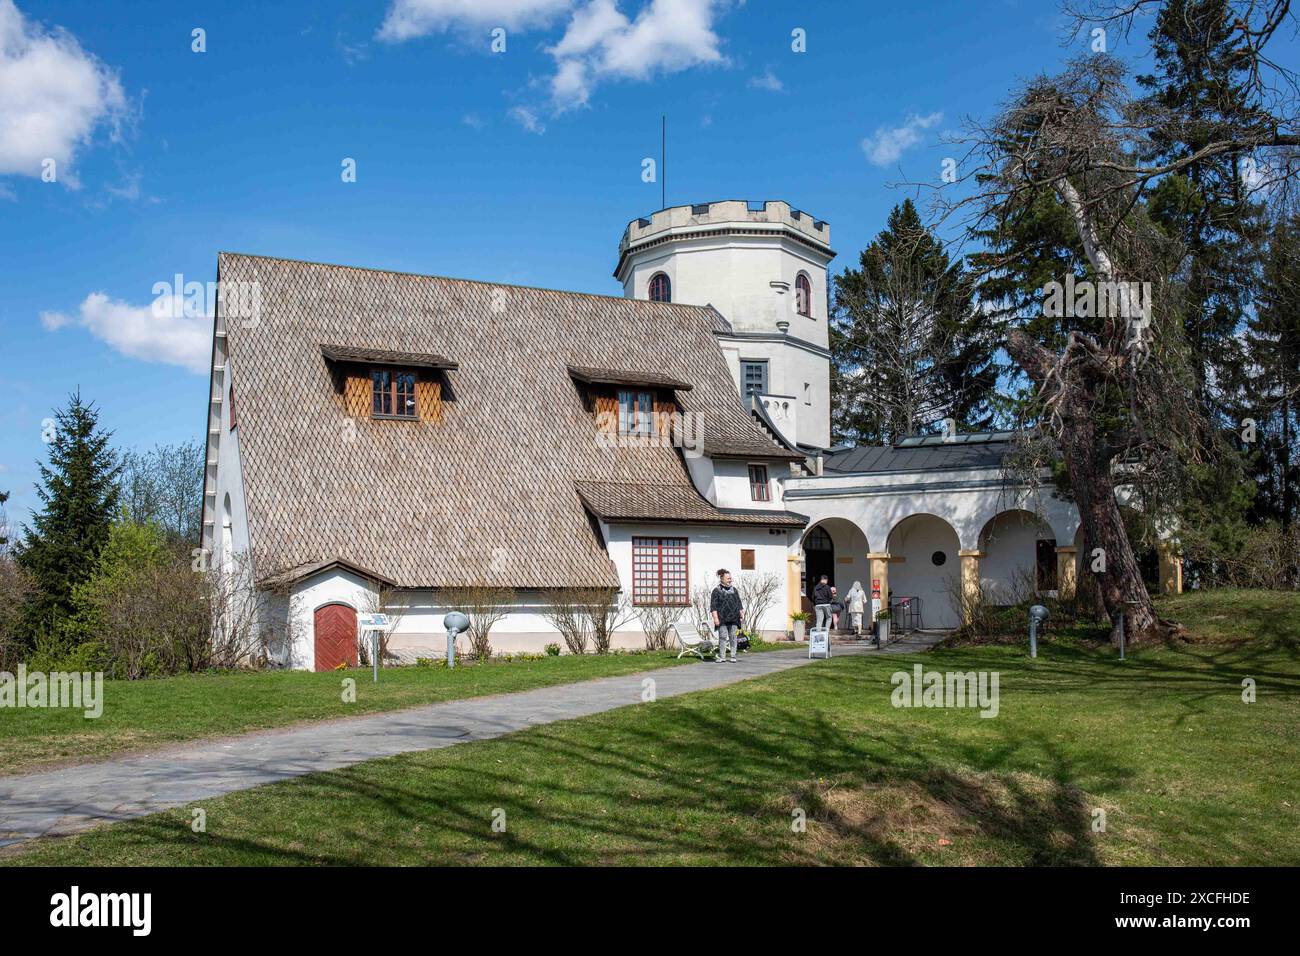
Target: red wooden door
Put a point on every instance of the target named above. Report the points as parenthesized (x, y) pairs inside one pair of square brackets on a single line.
[(336, 636)]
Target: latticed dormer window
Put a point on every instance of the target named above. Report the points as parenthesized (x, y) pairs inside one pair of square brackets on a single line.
[(393, 393)]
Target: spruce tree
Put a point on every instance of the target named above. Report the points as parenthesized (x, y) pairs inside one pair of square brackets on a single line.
[(1273, 379), (908, 347), (78, 493)]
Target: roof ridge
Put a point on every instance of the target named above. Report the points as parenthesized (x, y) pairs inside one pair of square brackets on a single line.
[(485, 282), (639, 484)]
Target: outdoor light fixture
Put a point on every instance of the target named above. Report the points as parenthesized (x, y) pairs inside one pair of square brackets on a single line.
[(455, 623), (1037, 615)]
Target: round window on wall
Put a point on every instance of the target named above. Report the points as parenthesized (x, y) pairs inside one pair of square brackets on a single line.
[(938, 559)]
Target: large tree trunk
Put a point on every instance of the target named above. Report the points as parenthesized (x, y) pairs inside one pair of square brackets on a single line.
[(1118, 575)]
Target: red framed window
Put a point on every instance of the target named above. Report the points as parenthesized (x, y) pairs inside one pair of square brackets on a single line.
[(803, 294), (661, 290), (660, 571), (758, 487), (393, 393)]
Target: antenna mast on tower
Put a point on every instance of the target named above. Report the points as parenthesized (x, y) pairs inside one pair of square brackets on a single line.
[(663, 161)]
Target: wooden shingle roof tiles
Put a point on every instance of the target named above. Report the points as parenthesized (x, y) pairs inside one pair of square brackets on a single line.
[(486, 494)]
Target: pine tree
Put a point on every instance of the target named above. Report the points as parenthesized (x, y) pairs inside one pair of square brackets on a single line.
[(78, 492), (908, 347)]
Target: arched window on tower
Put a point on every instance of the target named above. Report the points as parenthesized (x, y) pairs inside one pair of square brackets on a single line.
[(661, 290), (803, 295)]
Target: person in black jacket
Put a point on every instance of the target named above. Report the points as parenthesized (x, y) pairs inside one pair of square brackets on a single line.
[(727, 613), (823, 598)]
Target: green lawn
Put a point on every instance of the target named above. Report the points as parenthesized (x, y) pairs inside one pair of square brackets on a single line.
[(1185, 772), (150, 713)]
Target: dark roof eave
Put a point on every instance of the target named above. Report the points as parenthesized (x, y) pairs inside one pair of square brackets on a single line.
[(754, 454), (303, 572), (607, 376), (369, 356), (779, 519)]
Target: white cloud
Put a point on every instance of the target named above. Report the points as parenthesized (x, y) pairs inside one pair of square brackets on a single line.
[(887, 144), (408, 19), (169, 330), (53, 321), (53, 97), (599, 42), (472, 120), (527, 119), (571, 84), (667, 36), (768, 81)]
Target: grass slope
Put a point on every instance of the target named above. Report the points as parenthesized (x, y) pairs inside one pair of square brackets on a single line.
[(139, 715), (1185, 771)]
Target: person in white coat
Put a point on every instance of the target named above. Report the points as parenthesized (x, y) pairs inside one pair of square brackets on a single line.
[(855, 602)]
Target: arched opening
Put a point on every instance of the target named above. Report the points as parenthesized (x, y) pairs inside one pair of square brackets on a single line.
[(818, 559), (837, 548), (925, 571), (1018, 558), (803, 294), (661, 289)]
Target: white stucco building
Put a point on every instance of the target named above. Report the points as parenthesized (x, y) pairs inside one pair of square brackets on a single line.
[(377, 436)]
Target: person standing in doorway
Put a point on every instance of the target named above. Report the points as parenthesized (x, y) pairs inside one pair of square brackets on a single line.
[(855, 602), (822, 598), (727, 613)]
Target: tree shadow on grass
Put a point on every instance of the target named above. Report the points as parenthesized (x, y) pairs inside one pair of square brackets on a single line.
[(713, 777), (709, 778)]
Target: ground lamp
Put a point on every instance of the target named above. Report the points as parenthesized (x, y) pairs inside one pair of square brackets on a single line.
[(1037, 615), (455, 623)]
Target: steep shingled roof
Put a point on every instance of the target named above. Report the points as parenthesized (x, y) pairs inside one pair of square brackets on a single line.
[(487, 494), (637, 501)]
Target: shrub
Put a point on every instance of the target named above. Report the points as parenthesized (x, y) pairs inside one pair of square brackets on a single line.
[(552, 650), (16, 589), (53, 654), (657, 622), (1265, 557), (759, 591), (587, 617), (484, 605), (155, 621)]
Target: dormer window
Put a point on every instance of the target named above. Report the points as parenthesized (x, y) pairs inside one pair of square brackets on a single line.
[(635, 412), (758, 486), (661, 290), (392, 392), (803, 295)]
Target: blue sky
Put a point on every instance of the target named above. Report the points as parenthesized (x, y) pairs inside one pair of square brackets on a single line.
[(519, 166)]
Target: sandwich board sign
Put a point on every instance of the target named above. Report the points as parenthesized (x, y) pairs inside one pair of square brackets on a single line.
[(819, 642)]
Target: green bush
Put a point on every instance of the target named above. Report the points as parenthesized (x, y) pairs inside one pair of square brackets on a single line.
[(55, 653), (130, 548)]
